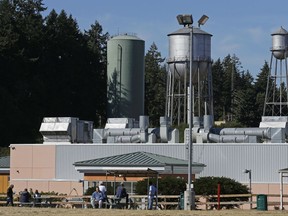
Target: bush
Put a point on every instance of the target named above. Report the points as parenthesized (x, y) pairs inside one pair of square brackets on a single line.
[(209, 185), (166, 186)]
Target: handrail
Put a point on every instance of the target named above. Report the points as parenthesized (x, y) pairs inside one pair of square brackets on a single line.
[(165, 200)]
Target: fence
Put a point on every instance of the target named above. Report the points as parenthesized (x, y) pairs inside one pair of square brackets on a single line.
[(140, 201)]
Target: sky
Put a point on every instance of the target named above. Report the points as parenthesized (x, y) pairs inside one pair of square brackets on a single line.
[(242, 27)]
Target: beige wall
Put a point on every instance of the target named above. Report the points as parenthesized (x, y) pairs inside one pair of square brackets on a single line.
[(272, 189), (32, 162), (34, 166)]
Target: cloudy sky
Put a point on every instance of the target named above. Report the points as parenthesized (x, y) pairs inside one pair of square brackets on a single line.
[(240, 27)]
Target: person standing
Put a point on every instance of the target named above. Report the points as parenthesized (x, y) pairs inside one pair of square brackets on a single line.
[(10, 195), (121, 191), (151, 194), (97, 198)]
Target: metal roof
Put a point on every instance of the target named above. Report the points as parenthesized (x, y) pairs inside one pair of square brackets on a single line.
[(126, 37), (137, 159), (280, 31), (283, 170), (186, 31), (5, 162)]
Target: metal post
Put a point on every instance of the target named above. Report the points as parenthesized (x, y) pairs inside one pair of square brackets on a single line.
[(218, 195), (250, 186), (190, 144), (188, 20), (83, 186), (281, 191)]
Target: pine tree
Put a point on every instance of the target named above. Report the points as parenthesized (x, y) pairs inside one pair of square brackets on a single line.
[(260, 88), (155, 85), (217, 74), (97, 54)]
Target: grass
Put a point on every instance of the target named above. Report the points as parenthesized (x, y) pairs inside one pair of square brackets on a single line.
[(23, 211)]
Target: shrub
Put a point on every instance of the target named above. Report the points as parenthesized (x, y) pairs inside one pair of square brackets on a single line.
[(209, 185), (166, 185)]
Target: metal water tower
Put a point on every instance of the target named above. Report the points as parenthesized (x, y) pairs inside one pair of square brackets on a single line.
[(276, 98), (125, 76), (184, 43)]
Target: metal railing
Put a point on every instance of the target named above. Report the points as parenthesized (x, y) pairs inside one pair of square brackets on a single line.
[(141, 201)]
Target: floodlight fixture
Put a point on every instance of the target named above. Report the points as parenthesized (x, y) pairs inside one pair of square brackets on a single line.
[(185, 19), (202, 20), (250, 184), (246, 171)]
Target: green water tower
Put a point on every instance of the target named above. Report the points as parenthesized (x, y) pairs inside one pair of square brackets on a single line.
[(125, 76)]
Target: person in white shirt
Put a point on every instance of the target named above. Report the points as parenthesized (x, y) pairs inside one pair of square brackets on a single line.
[(151, 194), (103, 189)]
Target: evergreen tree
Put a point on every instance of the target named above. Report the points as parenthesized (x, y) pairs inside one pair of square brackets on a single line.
[(244, 109), (218, 76), (155, 85), (62, 62), (97, 55), (260, 89), (20, 38)]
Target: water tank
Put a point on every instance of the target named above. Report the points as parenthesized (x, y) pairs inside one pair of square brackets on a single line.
[(179, 52), (279, 43), (125, 76)]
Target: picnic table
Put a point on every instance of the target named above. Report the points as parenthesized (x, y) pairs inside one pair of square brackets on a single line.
[(43, 201)]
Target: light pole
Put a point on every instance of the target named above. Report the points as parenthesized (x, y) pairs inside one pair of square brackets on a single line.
[(250, 185), (83, 190), (187, 20)]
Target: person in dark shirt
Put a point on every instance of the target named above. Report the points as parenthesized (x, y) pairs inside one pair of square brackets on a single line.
[(121, 193), (10, 195), (25, 196)]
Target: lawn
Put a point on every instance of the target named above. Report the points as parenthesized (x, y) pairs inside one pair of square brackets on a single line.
[(23, 211)]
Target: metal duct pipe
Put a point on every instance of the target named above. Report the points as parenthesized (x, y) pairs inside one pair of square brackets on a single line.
[(204, 135), (144, 122), (262, 132), (129, 135), (122, 132), (128, 139), (164, 127), (196, 121), (208, 122), (227, 138)]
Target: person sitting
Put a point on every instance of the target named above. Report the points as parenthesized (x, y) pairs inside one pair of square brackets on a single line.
[(122, 193), (37, 196), (97, 198), (25, 196), (103, 189)]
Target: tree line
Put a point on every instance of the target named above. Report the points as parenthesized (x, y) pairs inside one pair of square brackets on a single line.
[(49, 67)]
